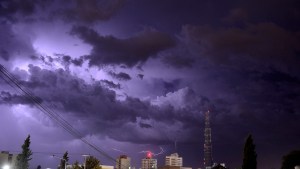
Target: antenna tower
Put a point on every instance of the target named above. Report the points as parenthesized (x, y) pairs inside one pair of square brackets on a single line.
[(207, 142)]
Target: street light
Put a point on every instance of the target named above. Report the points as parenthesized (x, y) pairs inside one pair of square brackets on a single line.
[(61, 159), (6, 167), (85, 156)]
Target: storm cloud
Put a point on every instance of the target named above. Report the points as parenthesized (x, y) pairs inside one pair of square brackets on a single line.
[(120, 76), (264, 45), (78, 11), (139, 74), (95, 101), (130, 51), (13, 44)]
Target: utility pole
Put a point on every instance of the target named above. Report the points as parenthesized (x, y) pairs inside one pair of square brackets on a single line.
[(85, 156)]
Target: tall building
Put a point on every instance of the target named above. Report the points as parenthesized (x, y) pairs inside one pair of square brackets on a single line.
[(123, 162), (173, 160), (7, 159), (149, 162), (208, 161)]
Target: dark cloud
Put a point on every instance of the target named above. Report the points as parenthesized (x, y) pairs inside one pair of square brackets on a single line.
[(179, 56), (98, 105), (283, 13), (78, 61), (74, 11), (120, 76), (250, 73), (260, 46), (144, 125), (12, 99), (130, 52), (277, 77), (67, 60), (254, 101), (172, 85), (111, 84), (236, 15), (9, 9), (4, 54), (141, 76), (178, 61), (91, 11), (13, 45), (63, 59), (47, 60)]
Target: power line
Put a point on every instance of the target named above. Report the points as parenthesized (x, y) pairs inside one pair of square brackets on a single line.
[(44, 152), (13, 82)]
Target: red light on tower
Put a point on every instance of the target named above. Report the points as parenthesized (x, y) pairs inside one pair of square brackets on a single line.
[(149, 154)]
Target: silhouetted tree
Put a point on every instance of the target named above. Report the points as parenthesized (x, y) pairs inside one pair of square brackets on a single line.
[(24, 158), (92, 163), (249, 160), (291, 160), (65, 161), (38, 167)]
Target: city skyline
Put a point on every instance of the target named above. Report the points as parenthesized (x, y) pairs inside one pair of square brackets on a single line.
[(131, 76)]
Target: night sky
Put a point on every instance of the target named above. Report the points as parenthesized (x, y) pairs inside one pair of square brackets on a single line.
[(136, 75)]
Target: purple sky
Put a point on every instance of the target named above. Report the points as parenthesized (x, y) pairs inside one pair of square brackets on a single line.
[(137, 75)]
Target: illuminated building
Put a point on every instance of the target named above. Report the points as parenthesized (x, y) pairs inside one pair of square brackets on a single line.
[(123, 162), (149, 162), (7, 159), (173, 160)]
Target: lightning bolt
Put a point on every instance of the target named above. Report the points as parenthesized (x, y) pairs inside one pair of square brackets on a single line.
[(161, 152), (118, 150), (154, 154)]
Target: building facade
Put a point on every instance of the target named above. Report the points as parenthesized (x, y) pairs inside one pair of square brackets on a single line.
[(123, 162), (149, 163), (173, 160), (7, 159)]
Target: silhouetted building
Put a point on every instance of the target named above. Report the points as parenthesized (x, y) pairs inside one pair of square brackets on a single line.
[(123, 162)]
